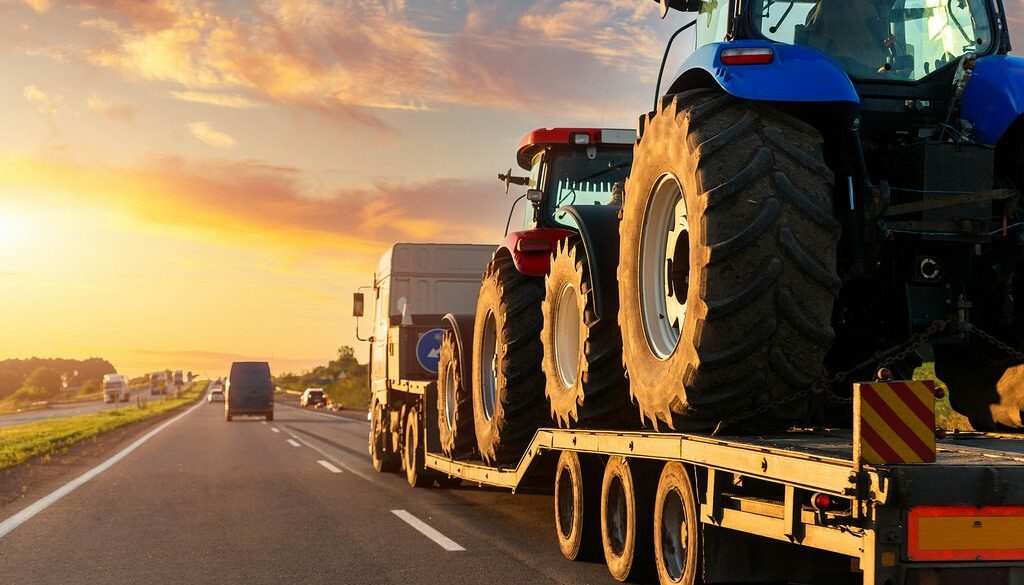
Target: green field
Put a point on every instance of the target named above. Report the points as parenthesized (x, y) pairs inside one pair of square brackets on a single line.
[(20, 443)]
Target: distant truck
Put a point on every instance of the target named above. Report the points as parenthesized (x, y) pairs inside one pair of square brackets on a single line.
[(115, 388), (158, 383), (179, 379)]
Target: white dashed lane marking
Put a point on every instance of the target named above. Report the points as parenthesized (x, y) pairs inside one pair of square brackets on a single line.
[(327, 465), (428, 531), (294, 443)]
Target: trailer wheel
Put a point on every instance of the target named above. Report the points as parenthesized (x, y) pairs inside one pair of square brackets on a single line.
[(415, 472), (585, 381), (454, 403), (625, 521), (508, 383), (578, 506), (676, 528), (380, 444), (727, 272), (227, 416)]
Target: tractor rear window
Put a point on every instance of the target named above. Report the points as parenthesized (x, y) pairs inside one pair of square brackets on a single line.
[(579, 178), (880, 40)]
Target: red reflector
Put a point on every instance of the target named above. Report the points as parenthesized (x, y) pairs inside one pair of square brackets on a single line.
[(747, 56), (533, 246), (822, 501)]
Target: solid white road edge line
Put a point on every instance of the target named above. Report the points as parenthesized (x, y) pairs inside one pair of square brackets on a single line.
[(294, 443), (46, 501), (428, 531), (327, 465)]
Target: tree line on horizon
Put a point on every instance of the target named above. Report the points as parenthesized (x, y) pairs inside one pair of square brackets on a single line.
[(343, 378), (33, 379)]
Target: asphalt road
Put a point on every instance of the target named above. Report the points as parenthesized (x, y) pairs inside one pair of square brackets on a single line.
[(205, 501), (62, 410)]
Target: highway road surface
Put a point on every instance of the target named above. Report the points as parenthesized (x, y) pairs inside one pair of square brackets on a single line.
[(291, 501), (62, 410)]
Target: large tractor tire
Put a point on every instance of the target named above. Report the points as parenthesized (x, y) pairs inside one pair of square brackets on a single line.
[(727, 271), (454, 403), (585, 382), (508, 384)]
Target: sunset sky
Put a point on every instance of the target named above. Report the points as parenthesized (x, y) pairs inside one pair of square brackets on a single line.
[(184, 183)]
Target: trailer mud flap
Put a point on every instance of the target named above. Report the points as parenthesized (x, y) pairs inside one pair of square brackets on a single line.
[(965, 533)]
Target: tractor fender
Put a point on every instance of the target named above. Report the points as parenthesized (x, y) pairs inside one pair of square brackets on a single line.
[(797, 74), (531, 249), (461, 327), (598, 227), (994, 98)]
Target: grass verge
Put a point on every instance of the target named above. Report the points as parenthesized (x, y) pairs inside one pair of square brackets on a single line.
[(19, 443)]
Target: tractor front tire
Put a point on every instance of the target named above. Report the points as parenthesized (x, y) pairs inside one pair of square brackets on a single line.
[(508, 383), (454, 403), (585, 382), (727, 271)]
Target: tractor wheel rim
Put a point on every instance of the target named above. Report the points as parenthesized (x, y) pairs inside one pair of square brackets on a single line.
[(449, 396), (567, 336), (664, 267), (674, 532), (489, 383)]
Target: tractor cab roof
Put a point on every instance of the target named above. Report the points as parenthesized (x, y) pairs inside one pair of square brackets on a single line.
[(536, 141)]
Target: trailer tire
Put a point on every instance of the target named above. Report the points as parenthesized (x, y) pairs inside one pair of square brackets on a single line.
[(508, 383), (676, 528), (738, 194), (380, 444), (454, 403), (626, 527), (415, 471), (578, 506), (585, 382), (270, 417), (227, 416)]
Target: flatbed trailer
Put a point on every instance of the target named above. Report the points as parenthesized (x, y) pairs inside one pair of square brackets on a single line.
[(957, 520)]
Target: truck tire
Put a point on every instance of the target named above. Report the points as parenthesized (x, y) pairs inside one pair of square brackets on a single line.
[(270, 417), (415, 471), (585, 382), (454, 403), (578, 506), (989, 392), (380, 444), (727, 272), (227, 416), (676, 528), (626, 529), (508, 383)]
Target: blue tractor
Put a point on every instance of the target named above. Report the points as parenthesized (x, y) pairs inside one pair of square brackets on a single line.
[(825, 188)]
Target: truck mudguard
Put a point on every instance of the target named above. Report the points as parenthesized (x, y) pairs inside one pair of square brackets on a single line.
[(796, 74), (462, 327), (598, 227), (994, 97)]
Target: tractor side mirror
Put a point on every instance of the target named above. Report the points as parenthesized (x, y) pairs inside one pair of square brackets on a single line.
[(680, 5), (357, 304), (534, 195)]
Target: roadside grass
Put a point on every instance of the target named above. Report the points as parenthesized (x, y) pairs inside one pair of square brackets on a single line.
[(350, 394), (19, 443)]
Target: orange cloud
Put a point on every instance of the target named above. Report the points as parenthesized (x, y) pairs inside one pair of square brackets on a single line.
[(203, 132)]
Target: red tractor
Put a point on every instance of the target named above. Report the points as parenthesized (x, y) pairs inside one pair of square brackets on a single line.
[(574, 185)]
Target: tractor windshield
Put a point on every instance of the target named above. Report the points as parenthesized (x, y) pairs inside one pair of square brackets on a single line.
[(581, 178), (880, 40)]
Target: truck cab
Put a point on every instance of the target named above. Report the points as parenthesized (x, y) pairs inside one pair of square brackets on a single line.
[(115, 388)]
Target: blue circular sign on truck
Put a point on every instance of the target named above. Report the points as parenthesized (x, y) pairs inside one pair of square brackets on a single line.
[(428, 349)]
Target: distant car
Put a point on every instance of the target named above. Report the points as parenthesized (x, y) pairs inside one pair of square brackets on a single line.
[(313, 397), (215, 395), (250, 391)]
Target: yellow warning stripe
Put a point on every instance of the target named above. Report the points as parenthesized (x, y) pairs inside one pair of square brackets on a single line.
[(894, 441), (922, 429)]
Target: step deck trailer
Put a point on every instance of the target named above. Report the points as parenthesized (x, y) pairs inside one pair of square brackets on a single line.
[(957, 520)]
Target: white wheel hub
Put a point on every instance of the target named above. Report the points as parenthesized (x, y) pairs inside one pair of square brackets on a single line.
[(664, 266), (567, 336)]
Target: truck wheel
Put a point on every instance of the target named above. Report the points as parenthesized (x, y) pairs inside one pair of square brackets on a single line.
[(415, 472), (626, 529), (727, 272), (582, 363), (508, 383), (578, 506), (454, 403), (270, 416), (676, 528), (380, 445)]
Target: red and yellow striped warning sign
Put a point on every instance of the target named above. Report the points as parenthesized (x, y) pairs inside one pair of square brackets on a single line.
[(894, 422)]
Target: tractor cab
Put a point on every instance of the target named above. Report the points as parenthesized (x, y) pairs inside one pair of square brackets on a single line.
[(570, 170)]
